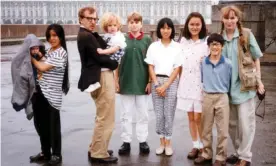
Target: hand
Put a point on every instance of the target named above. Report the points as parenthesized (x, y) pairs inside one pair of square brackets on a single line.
[(100, 51), (148, 88), (260, 88), (161, 90), (117, 86)]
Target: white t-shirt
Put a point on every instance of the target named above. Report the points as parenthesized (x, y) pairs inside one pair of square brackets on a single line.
[(117, 39), (164, 58)]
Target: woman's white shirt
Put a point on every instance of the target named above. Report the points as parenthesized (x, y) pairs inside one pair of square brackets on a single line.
[(164, 58), (192, 52)]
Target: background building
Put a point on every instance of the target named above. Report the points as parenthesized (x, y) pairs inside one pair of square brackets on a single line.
[(66, 11)]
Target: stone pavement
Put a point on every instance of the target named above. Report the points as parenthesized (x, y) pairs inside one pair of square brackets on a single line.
[(19, 139)]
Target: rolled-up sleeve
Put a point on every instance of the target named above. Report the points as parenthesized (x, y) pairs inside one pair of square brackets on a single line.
[(149, 57), (57, 59), (178, 61), (254, 47)]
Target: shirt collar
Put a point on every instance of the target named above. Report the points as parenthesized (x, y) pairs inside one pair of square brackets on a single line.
[(195, 42), (221, 60), (137, 38), (170, 45), (236, 34)]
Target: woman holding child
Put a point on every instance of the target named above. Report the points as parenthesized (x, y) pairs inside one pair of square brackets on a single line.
[(47, 100)]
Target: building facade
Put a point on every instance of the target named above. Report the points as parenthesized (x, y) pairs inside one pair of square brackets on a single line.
[(66, 11)]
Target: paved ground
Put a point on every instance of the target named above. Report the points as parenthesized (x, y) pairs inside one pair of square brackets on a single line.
[(19, 139)]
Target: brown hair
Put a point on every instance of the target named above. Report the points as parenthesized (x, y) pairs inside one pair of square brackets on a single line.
[(134, 16), (225, 14), (107, 18), (84, 9)]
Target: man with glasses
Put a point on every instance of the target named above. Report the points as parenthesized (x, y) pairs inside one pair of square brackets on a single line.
[(216, 77), (97, 67)]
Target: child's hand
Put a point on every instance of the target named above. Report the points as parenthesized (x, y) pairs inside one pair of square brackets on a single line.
[(100, 51)]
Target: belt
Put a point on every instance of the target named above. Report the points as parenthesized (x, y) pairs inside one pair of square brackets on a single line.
[(161, 75)]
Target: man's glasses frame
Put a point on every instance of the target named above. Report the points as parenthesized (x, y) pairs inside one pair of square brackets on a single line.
[(91, 18)]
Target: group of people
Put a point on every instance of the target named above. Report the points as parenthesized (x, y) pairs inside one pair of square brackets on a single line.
[(213, 78)]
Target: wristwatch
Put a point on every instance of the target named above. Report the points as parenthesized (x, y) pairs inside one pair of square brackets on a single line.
[(156, 85)]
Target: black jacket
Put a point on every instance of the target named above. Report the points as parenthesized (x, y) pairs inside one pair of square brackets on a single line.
[(91, 61)]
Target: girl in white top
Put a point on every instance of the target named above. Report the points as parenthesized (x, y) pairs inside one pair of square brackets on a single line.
[(189, 94), (164, 62)]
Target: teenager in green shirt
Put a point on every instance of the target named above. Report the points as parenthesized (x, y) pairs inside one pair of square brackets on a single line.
[(132, 82)]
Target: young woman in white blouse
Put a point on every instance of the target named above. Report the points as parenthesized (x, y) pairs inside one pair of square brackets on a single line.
[(164, 65), (189, 95)]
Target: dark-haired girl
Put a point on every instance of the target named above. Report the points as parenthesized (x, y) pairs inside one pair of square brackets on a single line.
[(48, 97), (189, 94), (164, 65)]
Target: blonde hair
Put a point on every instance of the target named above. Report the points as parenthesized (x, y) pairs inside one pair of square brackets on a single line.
[(225, 14), (107, 18), (134, 16)]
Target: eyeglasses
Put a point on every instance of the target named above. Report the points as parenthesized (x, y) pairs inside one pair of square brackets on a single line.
[(215, 44), (91, 18)]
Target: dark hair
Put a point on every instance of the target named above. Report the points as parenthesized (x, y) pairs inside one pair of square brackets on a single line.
[(215, 37), (203, 32), (61, 35), (161, 24)]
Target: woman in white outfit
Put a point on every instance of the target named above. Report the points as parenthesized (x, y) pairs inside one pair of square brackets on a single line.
[(189, 94)]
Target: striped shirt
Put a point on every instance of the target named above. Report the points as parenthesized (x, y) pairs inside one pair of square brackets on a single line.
[(51, 81)]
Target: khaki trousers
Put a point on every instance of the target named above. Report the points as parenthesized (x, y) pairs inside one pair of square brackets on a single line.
[(104, 98), (242, 128), (215, 108)]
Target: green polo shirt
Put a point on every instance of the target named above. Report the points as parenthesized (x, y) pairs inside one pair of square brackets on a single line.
[(133, 71), (230, 50)]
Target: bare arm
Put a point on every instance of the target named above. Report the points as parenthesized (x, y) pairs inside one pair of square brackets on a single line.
[(172, 77), (258, 68), (153, 75), (41, 66), (108, 51), (180, 72), (259, 81), (116, 79), (161, 90)]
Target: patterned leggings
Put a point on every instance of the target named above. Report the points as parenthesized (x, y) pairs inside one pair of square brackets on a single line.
[(164, 108)]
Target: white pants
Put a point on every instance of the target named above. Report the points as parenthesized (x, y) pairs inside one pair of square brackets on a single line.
[(137, 105), (242, 126)]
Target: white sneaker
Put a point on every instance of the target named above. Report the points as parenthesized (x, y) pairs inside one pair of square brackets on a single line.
[(160, 150), (92, 87), (168, 151)]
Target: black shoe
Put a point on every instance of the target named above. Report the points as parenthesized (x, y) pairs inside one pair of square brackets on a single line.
[(110, 152), (144, 148), (124, 149), (55, 160), (232, 159), (39, 158), (110, 159)]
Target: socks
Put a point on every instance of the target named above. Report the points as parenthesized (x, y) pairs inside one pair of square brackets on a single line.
[(198, 144), (195, 144)]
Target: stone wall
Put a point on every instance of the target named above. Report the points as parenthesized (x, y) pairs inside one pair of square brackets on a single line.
[(259, 17)]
